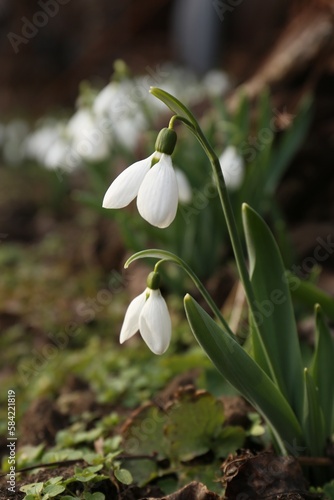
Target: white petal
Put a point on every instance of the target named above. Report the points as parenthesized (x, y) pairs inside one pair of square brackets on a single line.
[(232, 166), (155, 323), (125, 187), (185, 193), (131, 320), (81, 120), (158, 194)]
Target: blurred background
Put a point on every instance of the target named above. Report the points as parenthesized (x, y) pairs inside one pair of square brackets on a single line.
[(81, 39)]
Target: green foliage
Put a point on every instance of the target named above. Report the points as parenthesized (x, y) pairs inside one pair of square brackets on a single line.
[(296, 403), (189, 428), (272, 311), (43, 491)]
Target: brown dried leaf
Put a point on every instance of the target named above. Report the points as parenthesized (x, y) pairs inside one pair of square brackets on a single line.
[(264, 476), (192, 491)]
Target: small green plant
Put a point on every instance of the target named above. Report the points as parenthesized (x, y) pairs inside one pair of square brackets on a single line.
[(264, 363)]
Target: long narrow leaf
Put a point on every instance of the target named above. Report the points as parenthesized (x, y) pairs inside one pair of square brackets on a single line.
[(289, 144), (244, 374), (273, 309), (313, 418), (322, 370)]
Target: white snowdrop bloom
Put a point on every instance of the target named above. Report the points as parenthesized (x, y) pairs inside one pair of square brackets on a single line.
[(91, 140), (125, 187), (128, 131), (148, 313), (158, 194), (104, 99), (121, 105), (37, 145), (185, 192), (233, 167), (153, 181), (216, 83), (56, 156)]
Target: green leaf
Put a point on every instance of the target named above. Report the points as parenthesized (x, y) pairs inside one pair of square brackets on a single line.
[(242, 115), (123, 475), (273, 308), (87, 474), (33, 488), (313, 418), (329, 490), (230, 439), (53, 490), (322, 370), (144, 433), (176, 106), (289, 144), (309, 293), (244, 374), (194, 423)]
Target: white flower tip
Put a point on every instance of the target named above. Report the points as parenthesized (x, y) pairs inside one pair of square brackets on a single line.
[(159, 351)]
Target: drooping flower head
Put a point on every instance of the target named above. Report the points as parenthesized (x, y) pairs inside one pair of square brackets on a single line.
[(153, 181), (233, 167), (148, 313)]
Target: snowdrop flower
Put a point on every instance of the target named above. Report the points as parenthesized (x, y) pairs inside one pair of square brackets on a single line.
[(89, 138), (116, 103), (233, 167), (185, 192), (153, 181), (148, 313), (216, 83), (41, 141)]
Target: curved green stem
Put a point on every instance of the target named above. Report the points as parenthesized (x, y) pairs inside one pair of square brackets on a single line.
[(183, 114), (166, 256), (226, 206)]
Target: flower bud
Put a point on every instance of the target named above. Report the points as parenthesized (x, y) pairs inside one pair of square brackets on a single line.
[(153, 281), (166, 141)]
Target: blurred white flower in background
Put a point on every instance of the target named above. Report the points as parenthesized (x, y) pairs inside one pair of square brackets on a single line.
[(117, 104), (90, 139), (233, 167), (216, 83), (118, 113), (185, 191)]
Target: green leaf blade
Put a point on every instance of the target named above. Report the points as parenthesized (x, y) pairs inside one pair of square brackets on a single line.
[(289, 144), (313, 423), (274, 313), (244, 374), (322, 369)]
